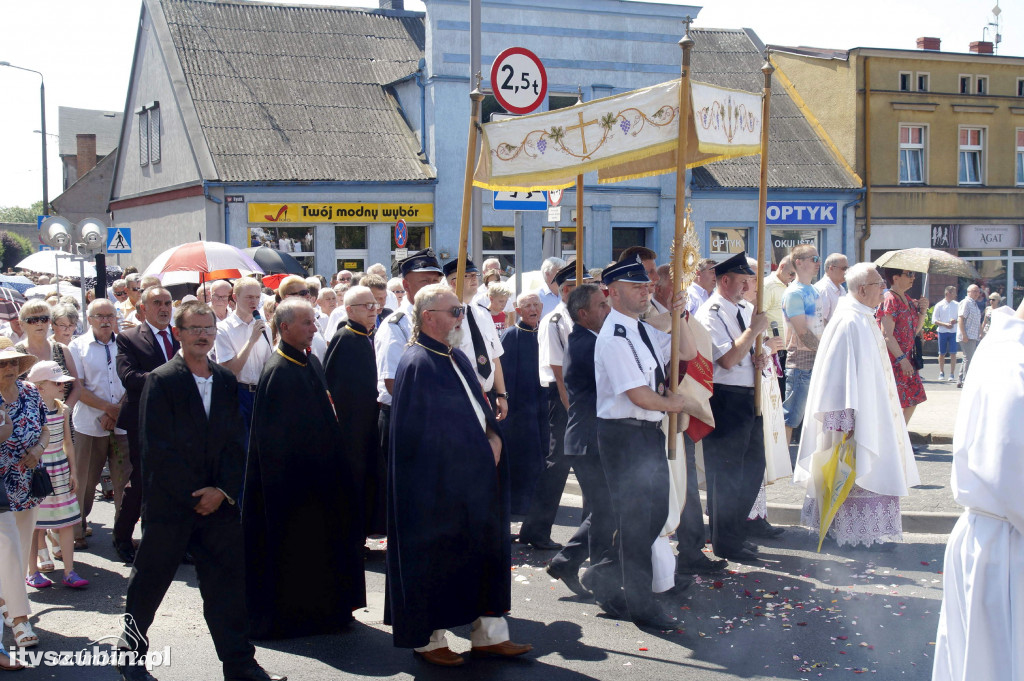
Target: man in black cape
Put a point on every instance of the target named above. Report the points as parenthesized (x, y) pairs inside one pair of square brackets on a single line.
[(351, 371), (525, 430), (449, 547), (298, 489)]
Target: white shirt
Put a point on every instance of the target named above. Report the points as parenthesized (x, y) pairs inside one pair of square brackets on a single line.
[(491, 340), (98, 372), (232, 334), (318, 347), (548, 299), (830, 294), (696, 295), (553, 339), (339, 316), (622, 363), (10, 333), (389, 342), (946, 311), (205, 386), (725, 329)]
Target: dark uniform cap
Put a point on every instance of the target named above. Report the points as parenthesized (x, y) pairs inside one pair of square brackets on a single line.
[(737, 264), (452, 265), (420, 261), (627, 270), (569, 272)]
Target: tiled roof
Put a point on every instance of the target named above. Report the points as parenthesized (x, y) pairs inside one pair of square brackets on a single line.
[(797, 157), (106, 125), (298, 93)]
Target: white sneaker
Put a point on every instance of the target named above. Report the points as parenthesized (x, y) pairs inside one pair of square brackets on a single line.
[(942, 376), (952, 379)]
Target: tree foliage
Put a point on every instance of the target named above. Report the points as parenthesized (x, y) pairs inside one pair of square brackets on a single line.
[(13, 249), (20, 213)]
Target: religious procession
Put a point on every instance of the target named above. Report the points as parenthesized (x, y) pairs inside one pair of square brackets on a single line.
[(703, 458)]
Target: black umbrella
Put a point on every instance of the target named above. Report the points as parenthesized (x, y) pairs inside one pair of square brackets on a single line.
[(274, 261)]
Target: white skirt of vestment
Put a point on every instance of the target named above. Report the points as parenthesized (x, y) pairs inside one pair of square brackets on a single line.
[(864, 518), (981, 624), (760, 507)]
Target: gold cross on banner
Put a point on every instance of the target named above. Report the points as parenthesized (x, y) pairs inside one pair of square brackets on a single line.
[(581, 127)]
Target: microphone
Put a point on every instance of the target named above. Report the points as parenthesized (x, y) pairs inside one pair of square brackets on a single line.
[(256, 316)]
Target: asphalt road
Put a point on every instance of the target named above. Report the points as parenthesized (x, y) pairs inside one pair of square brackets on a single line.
[(802, 615)]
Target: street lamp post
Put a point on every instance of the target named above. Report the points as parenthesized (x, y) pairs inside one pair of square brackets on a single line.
[(42, 115)]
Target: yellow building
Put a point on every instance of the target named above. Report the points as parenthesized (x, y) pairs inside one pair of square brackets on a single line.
[(938, 141)]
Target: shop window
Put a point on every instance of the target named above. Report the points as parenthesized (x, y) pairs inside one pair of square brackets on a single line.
[(971, 155), (726, 241), (1020, 156), (489, 107), (923, 82), (561, 101), (419, 238), (568, 238), (912, 154), (347, 237), (785, 240), (981, 85), (623, 238), (905, 78), (295, 241), (500, 243), (351, 264)]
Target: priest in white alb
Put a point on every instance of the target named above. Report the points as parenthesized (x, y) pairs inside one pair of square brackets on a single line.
[(853, 395), (981, 625)]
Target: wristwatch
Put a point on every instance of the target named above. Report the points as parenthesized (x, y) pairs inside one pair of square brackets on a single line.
[(505, 395)]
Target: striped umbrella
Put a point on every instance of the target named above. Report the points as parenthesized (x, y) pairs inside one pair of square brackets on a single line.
[(200, 261)]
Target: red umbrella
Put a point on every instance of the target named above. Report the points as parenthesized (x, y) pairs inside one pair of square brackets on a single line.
[(197, 261)]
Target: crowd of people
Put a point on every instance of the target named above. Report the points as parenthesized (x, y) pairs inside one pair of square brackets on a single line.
[(228, 419)]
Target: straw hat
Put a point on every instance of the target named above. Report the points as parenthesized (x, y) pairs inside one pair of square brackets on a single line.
[(7, 351)]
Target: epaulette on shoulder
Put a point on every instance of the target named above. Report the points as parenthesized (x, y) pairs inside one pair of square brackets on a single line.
[(620, 330), (556, 318), (395, 317), (715, 308)]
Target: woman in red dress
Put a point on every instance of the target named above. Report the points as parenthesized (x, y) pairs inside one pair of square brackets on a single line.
[(901, 318)]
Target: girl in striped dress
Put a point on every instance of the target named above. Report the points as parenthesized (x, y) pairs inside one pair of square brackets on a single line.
[(59, 511)]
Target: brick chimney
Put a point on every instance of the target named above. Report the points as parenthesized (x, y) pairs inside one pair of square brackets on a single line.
[(929, 44), (981, 47), (85, 160), (392, 4)]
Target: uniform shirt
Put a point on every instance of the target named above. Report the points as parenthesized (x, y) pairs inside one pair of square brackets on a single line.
[(695, 297), (338, 317), (802, 299), (232, 333), (623, 362), (97, 369), (972, 320), (774, 290), (389, 342), (548, 299), (553, 338), (491, 340), (946, 312), (830, 294), (725, 329)]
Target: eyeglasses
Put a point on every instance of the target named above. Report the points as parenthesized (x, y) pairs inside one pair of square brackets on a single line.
[(368, 306), (38, 320), (102, 317), (812, 258), (220, 297), (303, 292), (908, 273), (875, 283), (118, 294), (134, 288), (456, 311), (9, 362), (65, 327), (198, 330)]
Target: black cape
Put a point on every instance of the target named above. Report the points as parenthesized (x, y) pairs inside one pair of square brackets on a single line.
[(449, 547), (526, 427), (298, 507), (351, 371)]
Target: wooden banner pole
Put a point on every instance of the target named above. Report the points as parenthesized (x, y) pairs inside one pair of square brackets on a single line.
[(467, 190), (686, 43), (579, 230), (762, 209)]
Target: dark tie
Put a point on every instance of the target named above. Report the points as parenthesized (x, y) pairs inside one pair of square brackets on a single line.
[(483, 363), (739, 318), (168, 349), (107, 348), (659, 372)]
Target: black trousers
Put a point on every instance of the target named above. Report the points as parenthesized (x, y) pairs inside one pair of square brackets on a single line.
[(690, 533), (215, 543), (634, 464), (593, 538), (734, 461), (131, 500), (547, 495)]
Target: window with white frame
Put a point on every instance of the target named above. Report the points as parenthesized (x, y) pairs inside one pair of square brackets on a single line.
[(912, 141), (1020, 87), (1020, 156), (965, 84), (972, 149), (905, 80), (981, 85), (923, 82)]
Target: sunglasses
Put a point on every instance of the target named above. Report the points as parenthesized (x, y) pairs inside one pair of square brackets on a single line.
[(813, 258), (118, 294), (456, 311), (9, 362), (907, 273), (304, 293), (133, 288), (37, 320)]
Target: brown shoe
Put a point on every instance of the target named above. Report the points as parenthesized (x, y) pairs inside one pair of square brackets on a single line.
[(443, 657), (503, 649)]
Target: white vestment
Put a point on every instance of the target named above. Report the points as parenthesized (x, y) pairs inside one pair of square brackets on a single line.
[(981, 625)]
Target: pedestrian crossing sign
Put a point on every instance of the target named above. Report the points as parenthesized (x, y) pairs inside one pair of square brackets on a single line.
[(119, 240)]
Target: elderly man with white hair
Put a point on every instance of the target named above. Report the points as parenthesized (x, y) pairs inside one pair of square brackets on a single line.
[(548, 293), (852, 397), (830, 286)]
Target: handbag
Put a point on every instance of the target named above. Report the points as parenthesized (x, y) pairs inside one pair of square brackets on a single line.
[(42, 486), (918, 359)]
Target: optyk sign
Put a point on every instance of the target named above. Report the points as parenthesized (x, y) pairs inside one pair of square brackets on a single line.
[(802, 212)]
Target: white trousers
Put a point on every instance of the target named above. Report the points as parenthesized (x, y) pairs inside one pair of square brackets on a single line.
[(486, 631), (13, 545)]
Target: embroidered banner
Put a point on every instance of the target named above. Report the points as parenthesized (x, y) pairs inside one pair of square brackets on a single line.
[(622, 137)]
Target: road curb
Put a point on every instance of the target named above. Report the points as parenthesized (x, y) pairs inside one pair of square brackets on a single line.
[(930, 438)]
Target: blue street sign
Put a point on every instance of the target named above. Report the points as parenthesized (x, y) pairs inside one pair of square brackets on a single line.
[(119, 240), (520, 201)]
